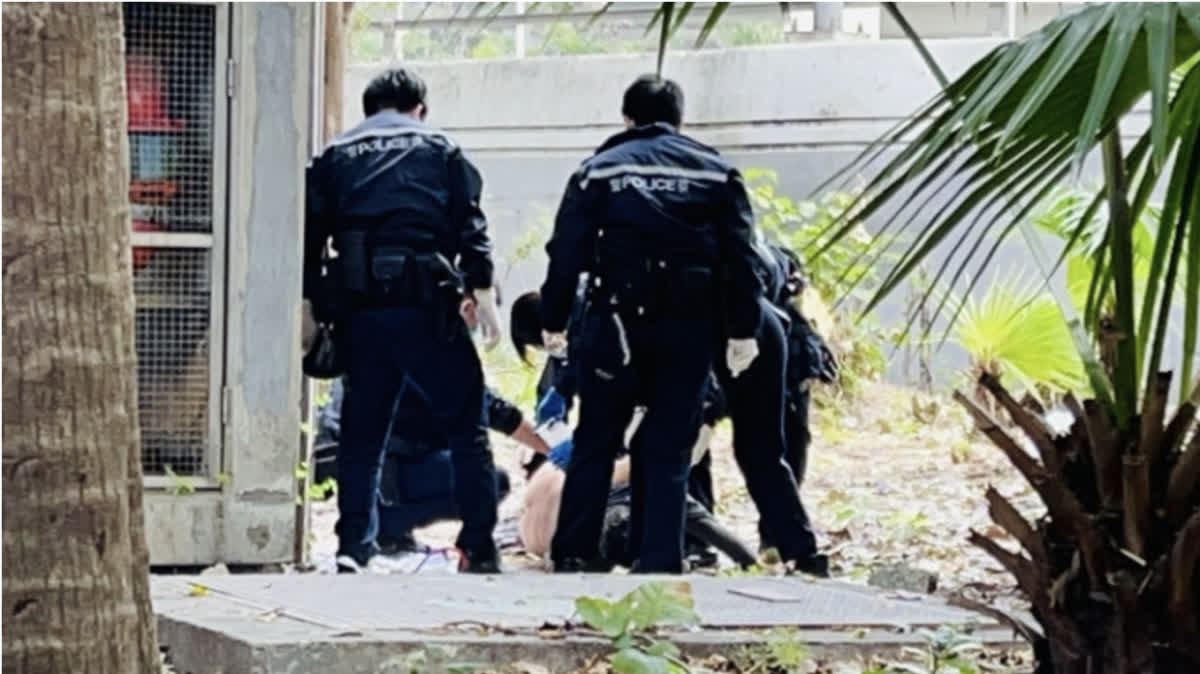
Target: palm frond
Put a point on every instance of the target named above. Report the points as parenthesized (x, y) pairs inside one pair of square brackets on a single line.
[(1006, 132), (1020, 331), (668, 9), (1018, 122), (710, 23), (911, 34), (597, 15)]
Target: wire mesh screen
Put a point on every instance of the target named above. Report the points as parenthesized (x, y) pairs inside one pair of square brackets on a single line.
[(170, 80)]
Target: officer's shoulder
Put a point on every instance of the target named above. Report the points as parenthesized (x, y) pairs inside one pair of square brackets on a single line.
[(440, 137), (700, 150), (598, 160)]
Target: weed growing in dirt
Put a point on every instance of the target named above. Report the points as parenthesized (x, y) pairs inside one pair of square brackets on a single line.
[(629, 622), (780, 651)]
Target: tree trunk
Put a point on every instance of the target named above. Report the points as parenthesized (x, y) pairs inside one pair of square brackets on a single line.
[(76, 584), (336, 16), (1113, 569)]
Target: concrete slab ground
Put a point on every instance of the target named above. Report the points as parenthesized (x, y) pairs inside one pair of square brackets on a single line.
[(268, 624)]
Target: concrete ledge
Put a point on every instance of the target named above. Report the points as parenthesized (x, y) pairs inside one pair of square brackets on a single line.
[(337, 624)]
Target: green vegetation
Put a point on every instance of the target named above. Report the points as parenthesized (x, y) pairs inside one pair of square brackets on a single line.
[(1017, 331), (628, 622)]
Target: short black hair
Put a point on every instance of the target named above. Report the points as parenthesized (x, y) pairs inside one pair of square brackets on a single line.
[(653, 99), (396, 88), (525, 322)]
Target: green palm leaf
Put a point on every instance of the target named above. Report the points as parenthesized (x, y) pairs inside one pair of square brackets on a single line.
[(1020, 331), (1034, 107)]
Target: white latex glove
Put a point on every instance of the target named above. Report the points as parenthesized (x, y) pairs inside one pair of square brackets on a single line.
[(555, 343), (703, 438), (488, 316), (635, 421), (739, 354)]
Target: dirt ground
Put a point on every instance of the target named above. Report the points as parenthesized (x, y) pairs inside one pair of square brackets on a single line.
[(895, 477)]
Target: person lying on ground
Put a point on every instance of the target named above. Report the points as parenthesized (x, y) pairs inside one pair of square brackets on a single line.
[(543, 494), (792, 342), (556, 390)]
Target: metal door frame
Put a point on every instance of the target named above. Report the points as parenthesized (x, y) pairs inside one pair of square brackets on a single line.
[(216, 243)]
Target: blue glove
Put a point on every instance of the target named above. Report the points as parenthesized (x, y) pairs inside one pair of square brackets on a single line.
[(552, 406), (560, 455)]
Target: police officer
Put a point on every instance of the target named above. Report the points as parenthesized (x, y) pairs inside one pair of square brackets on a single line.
[(767, 442), (417, 488), (663, 226), (401, 205), (809, 359)]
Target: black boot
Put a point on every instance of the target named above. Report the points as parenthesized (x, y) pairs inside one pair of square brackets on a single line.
[(577, 565), (483, 561), (699, 556), (815, 564)]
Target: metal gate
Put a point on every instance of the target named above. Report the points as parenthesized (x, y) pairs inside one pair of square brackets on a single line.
[(176, 55)]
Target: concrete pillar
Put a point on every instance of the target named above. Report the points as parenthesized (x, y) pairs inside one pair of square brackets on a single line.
[(519, 36), (827, 19)]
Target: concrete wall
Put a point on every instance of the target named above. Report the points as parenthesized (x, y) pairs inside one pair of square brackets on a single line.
[(802, 110), (270, 127), (934, 20)]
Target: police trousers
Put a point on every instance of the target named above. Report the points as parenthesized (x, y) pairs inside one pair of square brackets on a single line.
[(406, 377), (416, 491), (660, 362), (756, 408)]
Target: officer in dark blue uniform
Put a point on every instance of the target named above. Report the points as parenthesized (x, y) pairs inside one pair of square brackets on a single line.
[(417, 486), (809, 359), (770, 436), (401, 205), (663, 226)]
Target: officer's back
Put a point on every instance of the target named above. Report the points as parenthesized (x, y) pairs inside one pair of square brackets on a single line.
[(403, 182), (663, 226), (659, 189), (401, 205)]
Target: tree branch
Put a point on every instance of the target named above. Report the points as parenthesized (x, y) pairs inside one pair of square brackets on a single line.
[(1183, 419), (1064, 508), (1004, 514), (1058, 627), (1105, 458), (1033, 426), (1154, 410), (1120, 228)]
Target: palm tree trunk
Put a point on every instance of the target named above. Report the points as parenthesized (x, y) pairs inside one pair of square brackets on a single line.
[(337, 16), (1111, 575), (76, 584)]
